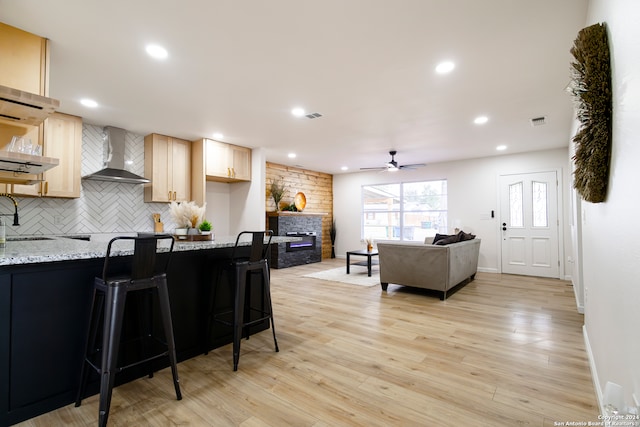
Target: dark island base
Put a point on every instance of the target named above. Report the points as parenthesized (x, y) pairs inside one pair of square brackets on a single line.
[(44, 312)]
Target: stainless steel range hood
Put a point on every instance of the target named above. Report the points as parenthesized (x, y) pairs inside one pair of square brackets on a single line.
[(114, 160)]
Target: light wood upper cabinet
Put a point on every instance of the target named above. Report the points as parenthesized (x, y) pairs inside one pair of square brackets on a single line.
[(227, 162), (167, 163), (62, 139), (25, 60)]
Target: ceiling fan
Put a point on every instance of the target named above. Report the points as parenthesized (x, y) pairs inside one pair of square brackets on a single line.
[(392, 165)]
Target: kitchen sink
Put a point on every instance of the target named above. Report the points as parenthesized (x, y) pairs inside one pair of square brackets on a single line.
[(26, 239)]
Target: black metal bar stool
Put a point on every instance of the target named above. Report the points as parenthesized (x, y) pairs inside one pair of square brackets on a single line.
[(148, 272), (241, 269)]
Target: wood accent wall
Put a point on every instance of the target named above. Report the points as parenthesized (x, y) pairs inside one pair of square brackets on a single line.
[(317, 188)]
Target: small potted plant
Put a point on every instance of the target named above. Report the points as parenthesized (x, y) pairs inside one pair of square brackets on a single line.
[(205, 227)]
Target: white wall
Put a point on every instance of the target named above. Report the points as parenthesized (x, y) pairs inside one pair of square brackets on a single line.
[(472, 195), (237, 207), (610, 231), (247, 199), (218, 200)]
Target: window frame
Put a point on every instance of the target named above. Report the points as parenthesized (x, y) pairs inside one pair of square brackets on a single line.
[(397, 213)]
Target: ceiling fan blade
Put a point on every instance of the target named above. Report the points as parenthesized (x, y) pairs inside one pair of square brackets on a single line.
[(380, 168), (412, 166)]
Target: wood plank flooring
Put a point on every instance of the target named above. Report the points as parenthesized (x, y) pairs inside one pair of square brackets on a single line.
[(503, 351)]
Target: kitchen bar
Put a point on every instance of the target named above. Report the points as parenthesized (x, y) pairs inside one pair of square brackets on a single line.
[(46, 284)]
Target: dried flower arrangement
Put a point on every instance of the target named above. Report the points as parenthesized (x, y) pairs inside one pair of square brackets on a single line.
[(187, 214), (277, 190), (369, 241), (592, 95)]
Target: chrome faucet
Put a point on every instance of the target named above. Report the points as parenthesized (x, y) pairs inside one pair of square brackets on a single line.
[(15, 204)]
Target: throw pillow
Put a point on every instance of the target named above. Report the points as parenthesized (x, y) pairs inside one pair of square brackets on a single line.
[(448, 240), (439, 237), (466, 236)]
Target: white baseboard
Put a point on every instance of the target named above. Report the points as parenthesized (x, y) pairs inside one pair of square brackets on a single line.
[(592, 367), (488, 270)]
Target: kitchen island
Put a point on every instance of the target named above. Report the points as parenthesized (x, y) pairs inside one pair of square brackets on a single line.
[(46, 288)]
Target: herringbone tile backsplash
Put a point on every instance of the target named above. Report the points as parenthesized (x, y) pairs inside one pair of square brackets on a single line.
[(103, 207)]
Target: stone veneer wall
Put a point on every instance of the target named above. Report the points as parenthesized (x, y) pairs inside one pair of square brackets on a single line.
[(282, 224), (103, 207), (317, 188)]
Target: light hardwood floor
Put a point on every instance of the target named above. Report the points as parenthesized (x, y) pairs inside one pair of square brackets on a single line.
[(503, 351)]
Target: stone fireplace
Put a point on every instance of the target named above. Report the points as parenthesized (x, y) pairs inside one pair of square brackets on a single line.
[(307, 226)]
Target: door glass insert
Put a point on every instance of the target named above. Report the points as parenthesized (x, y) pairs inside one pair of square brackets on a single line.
[(515, 205), (539, 206)]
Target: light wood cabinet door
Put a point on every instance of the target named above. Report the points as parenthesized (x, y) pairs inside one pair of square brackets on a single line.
[(181, 169), (241, 163), (216, 159), (167, 163), (62, 140), (227, 162), (28, 68), (156, 168)]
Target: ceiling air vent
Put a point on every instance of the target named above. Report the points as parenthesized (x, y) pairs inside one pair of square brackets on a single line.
[(538, 121), (313, 115)]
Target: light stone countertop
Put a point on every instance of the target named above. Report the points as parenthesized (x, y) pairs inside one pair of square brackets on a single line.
[(57, 248)]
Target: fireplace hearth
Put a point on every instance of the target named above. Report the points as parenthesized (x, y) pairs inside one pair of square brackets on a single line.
[(307, 250), (307, 242)]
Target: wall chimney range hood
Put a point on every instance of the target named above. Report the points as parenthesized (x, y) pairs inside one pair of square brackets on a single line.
[(114, 160)]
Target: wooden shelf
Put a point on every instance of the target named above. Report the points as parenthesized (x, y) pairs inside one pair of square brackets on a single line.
[(19, 168), (24, 108)]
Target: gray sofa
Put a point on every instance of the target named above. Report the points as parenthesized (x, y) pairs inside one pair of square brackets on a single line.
[(423, 265)]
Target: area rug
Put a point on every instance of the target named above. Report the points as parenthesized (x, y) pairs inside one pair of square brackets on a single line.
[(357, 276)]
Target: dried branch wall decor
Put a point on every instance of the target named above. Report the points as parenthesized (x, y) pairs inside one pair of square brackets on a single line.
[(590, 88)]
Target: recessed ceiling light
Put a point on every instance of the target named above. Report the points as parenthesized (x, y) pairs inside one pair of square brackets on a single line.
[(89, 103), (291, 155), (218, 135), (501, 147), (480, 120), (445, 67), (298, 112), (344, 168), (157, 51)]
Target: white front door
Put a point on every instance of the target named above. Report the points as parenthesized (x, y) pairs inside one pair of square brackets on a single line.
[(529, 224)]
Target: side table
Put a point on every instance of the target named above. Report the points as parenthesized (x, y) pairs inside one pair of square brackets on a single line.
[(362, 252)]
